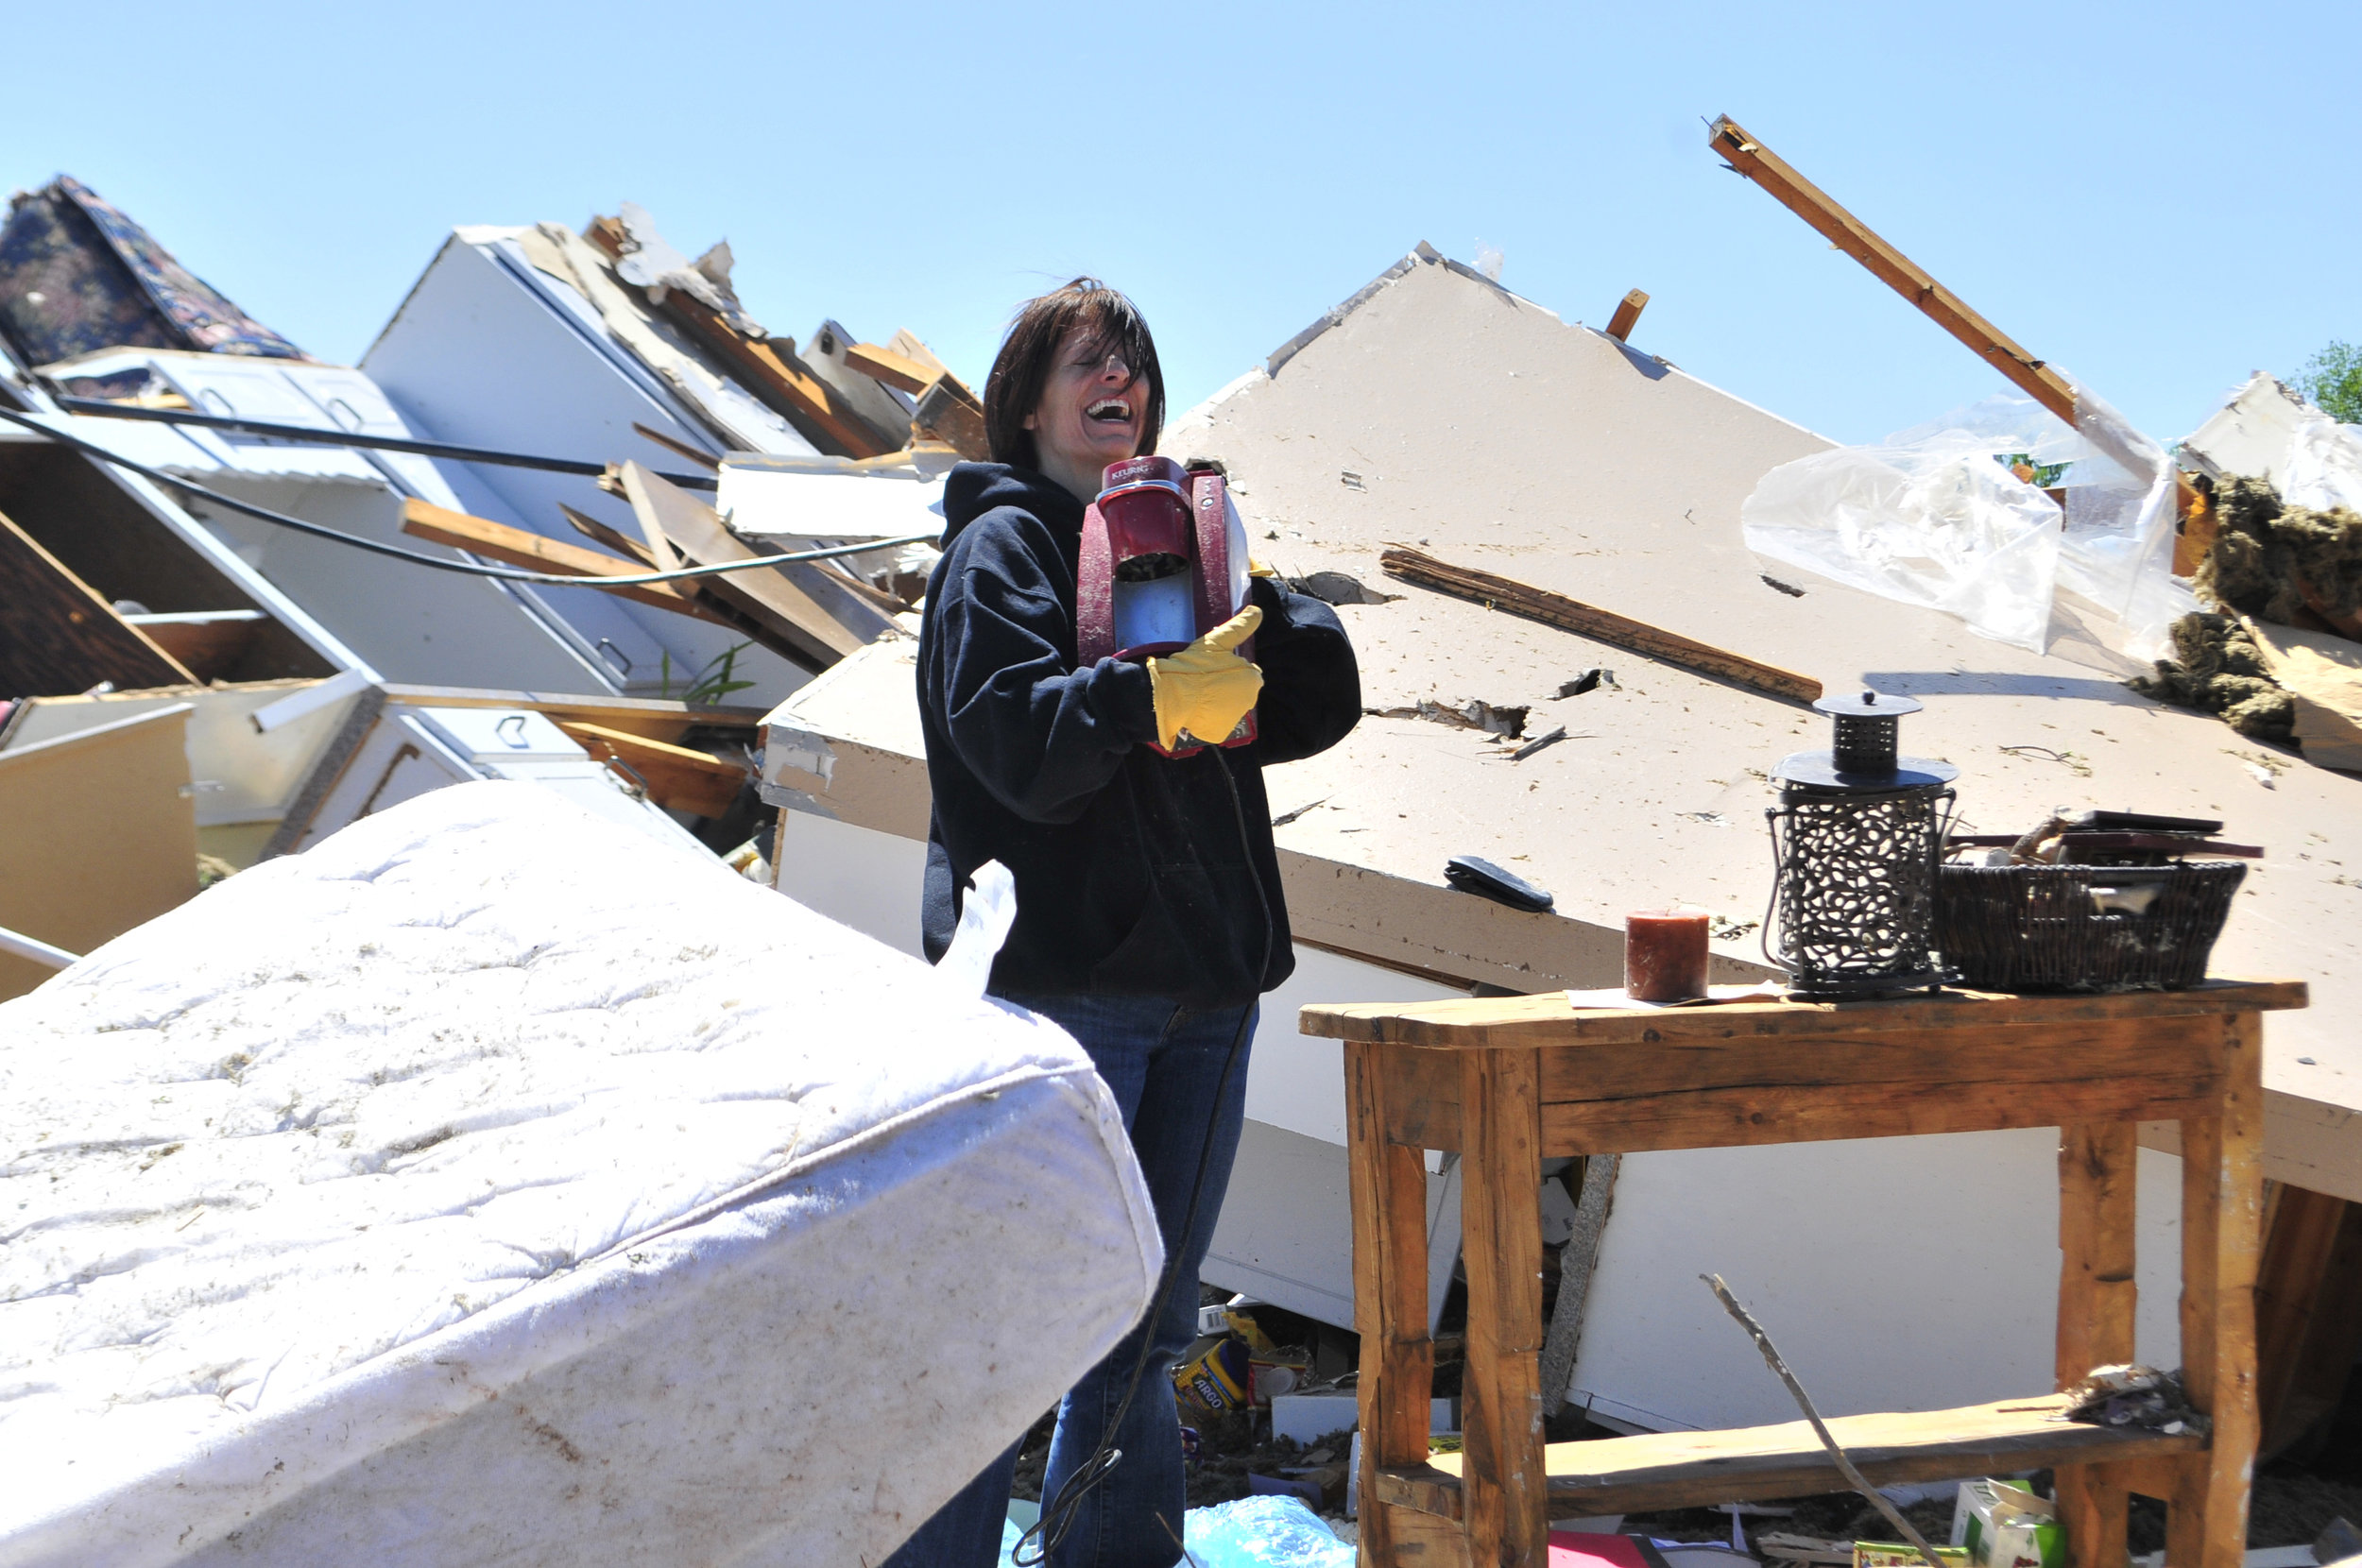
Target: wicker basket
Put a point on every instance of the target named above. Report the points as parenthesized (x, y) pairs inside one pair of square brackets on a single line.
[(2038, 927)]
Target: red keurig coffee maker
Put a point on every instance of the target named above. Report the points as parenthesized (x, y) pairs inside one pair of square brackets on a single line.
[(1164, 562)]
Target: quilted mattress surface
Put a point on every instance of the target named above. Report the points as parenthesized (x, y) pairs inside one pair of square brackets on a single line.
[(491, 1183)]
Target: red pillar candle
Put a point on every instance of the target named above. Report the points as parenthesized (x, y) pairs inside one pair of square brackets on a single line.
[(1664, 956)]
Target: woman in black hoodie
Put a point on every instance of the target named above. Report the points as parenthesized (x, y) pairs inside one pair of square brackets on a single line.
[(1149, 911)]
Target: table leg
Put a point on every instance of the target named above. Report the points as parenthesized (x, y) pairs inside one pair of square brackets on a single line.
[(1506, 1493), (2222, 1204), (2096, 1302), (1389, 1184)]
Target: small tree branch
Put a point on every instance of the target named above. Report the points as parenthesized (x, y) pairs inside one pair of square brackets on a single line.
[(1820, 1428)]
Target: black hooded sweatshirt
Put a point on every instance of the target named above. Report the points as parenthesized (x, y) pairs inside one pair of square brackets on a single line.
[(1137, 873)]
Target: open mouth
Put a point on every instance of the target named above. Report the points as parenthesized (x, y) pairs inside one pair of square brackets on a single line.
[(1111, 411)]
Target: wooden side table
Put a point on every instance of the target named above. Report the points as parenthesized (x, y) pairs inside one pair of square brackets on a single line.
[(1508, 1082)]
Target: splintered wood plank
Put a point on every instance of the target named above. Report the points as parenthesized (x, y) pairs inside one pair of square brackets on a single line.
[(1621, 631), (1389, 1184), (1501, 1419), (912, 347), (822, 622), (2222, 1205), (2097, 1295), (678, 778), (896, 370), (615, 539), (1547, 1018), (498, 541), (58, 637), (1847, 232), (772, 372), (1662, 1470)]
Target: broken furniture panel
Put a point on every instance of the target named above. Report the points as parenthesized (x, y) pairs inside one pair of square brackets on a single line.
[(101, 835), (389, 751), (244, 776), (58, 635)]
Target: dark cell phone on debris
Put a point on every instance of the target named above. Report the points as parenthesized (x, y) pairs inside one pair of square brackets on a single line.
[(1486, 880)]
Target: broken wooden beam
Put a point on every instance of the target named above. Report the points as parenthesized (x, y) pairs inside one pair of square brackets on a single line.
[(1627, 315), (518, 546), (2034, 377), (58, 637), (895, 370), (1571, 615), (801, 607), (766, 366), (1842, 230), (614, 538)]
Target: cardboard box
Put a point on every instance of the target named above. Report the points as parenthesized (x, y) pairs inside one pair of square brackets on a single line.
[(2003, 1525), (1892, 1554)]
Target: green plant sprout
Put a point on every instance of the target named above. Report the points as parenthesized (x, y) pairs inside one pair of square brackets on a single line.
[(712, 683)]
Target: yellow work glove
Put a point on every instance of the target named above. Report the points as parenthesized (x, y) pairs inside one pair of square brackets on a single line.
[(1206, 689)]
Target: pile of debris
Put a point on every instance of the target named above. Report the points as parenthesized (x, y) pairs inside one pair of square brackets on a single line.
[(2272, 541), (254, 597)]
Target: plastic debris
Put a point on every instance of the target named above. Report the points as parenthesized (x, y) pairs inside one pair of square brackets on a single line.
[(1263, 1532)]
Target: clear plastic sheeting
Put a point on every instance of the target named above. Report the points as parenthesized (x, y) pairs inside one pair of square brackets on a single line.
[(2323, 469), (1929, 516), (1935, 516), (2117, 551)]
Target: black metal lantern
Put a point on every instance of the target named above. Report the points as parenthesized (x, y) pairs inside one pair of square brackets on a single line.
[(1855, 841)]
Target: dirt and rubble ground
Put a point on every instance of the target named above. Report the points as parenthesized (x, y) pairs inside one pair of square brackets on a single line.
[(2295, 1496)]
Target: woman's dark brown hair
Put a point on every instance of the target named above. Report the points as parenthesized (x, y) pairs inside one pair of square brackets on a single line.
[(1111, 323)]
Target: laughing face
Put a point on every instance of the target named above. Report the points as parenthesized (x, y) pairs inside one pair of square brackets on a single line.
[(1093, 411)]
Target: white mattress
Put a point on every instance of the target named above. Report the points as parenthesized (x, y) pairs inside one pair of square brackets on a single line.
[(492, 1183)]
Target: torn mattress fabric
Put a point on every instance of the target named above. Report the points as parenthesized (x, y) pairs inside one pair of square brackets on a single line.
[(492, 1183)]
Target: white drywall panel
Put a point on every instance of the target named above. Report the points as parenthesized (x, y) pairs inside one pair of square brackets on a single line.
[(413, 624), (1296, 1081), (1913, 1273), (1286, 1231), (857, 877), (1443, 411), (477, 357)]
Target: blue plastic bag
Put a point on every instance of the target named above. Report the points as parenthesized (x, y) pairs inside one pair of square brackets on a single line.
[(1263, 1532)]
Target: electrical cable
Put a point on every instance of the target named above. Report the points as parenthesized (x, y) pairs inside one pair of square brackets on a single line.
[(472, 568), (99, 409), (1058, 1514)]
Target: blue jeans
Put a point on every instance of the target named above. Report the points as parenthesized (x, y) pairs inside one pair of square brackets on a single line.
[(1165, 1065)]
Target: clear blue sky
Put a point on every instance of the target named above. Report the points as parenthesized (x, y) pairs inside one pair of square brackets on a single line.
[(2161, 198)]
